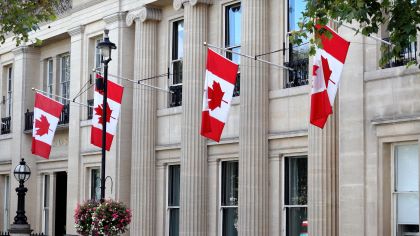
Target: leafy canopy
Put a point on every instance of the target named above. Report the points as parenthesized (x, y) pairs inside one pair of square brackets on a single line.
[(400, 17), (19, 17)]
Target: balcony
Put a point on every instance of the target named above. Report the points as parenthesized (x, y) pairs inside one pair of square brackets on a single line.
[(90, 109), (299, 75), (5, 125), (64, 117), (407, 55)]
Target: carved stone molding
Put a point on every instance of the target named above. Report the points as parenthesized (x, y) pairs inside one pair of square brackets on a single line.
[(179, 3), (25, 49), (119, 16), (76, 30), (144, 14)]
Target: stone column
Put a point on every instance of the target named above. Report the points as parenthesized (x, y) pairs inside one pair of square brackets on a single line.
[(74, 159), (253, 142), (323, 178), (143, 164), (193, 196)]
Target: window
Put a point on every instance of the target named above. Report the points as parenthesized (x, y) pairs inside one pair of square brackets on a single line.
[(65, 78), (50, 78), (406, 190), (233, 38), (95, 184), (6, 203), (298, 55), (173, 199), (177, 53), (98, 58), (229, 198), (45, 204), (7, 101), (295, 195), (9, 91)]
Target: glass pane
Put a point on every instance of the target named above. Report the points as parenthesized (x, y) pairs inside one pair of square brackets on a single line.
[(230, 221), (233, 25), (46, 221), (296, 181), (173, 222), (173, 188), (95, 184), (296, 7), (406, 230), (296, 221), (97, 54), (178, 40), (407, 208), (230, 183), (46, 190), (407, 168)]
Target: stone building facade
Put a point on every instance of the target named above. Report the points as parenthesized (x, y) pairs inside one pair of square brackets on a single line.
[(271, 174)]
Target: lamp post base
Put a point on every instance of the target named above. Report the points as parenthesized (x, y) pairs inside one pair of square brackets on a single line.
[(20, 230)]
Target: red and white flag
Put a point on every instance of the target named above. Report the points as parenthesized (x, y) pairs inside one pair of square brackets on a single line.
[(328, 64), (46, 116), (218, 92), (115, 93)]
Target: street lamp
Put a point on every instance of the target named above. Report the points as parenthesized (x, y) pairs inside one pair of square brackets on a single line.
[(105, 48), (22, 173)]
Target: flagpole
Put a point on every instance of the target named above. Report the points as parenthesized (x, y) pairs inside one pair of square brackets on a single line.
[(248, 56), (57, 96)]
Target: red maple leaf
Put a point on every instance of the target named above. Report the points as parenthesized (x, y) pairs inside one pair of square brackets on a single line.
[(215, 96), (327, 71), (98, 111), (314, 69), (42, 126)]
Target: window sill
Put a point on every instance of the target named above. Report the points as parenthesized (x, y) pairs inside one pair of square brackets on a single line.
[(6, 136), (390, 73), (169, 111), (85, 123)]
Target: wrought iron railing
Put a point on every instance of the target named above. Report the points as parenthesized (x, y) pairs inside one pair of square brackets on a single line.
[(90, 109), (299, 75), (407, 55), (64, 117), (176, 72), (175, 98), (5, 125), (63, 6)]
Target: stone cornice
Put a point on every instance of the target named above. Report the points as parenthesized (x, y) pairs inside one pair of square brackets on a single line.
[(144, 14), (116, 17), (178, 4), (76, 30), (25, 49)]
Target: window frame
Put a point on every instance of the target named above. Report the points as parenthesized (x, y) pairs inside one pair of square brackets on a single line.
[(284, 207), (393, 193), (65, 84), (220, 189), (46, 187), (92, 183), (172, 86), (6, 203), (49, 83), (168, 207), (9, 90)]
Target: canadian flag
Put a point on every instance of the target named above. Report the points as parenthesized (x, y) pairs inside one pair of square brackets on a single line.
[(115, 93), (326, 71), (46, 116), (218, 91)]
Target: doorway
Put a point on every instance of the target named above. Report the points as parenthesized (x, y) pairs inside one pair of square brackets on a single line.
[(60, 203)]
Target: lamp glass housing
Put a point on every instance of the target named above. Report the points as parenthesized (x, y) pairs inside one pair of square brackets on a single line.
[(22, 172)]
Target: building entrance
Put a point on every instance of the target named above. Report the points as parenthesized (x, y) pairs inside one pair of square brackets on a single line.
[(60, 203)]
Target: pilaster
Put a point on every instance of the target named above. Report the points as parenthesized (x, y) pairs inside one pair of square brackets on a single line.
[(74, 182), (194, 177), (143, 164), (323, 178), (253, 141)]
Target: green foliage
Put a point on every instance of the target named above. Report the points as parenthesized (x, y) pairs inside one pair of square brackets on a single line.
[(19, 17), (401, 18)]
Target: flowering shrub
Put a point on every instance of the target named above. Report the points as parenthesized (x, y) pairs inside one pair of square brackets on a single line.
[(83, 217), (108, 218)]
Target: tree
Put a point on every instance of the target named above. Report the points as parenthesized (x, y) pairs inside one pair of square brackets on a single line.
[(400, 17), (19, 17)]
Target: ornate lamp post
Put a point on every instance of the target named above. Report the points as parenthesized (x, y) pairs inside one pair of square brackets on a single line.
[(105, 47), (22, 173)]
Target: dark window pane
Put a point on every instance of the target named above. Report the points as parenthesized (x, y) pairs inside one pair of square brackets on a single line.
[(296, 181), (233, 25), (230, 221), (95, 191), (173, 191), (177, 40), (174, 222), (230, 183), (296, 218)]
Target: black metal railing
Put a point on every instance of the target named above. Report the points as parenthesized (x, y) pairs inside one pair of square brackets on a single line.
[(4, 233), (5, 125), (299, 75), (177, 72), (32, 234), (237, 89), (64, 117), (407, 55), (175, 98), (29, 119), (90, 109)]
